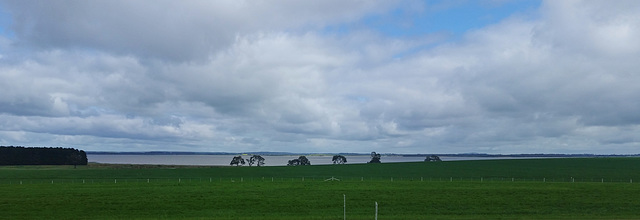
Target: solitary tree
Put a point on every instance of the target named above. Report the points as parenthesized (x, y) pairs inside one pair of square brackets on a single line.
[(339, 159), (77, 157), (237, 160), (375, 157), (432, 158), (256, 159)]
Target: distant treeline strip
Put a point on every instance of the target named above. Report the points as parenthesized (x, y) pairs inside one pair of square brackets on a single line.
[(10, 155)]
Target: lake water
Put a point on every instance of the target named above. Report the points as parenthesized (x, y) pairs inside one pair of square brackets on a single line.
[(224, 160)]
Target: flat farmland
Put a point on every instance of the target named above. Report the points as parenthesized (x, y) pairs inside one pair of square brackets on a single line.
[(573, 188)]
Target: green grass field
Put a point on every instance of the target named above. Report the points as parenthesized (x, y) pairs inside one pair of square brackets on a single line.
[(497, 189)]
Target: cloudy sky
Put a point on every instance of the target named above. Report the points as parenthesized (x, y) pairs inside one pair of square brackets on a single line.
[(487, 76)]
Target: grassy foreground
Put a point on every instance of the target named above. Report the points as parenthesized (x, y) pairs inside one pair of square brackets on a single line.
[(418, 191)]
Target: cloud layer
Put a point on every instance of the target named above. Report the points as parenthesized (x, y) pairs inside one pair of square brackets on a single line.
[(276, 76)]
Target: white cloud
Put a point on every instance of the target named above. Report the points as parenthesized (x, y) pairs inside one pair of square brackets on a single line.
[(595, 27)]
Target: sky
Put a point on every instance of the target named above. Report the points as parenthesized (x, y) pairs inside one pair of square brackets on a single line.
[(330, 76)]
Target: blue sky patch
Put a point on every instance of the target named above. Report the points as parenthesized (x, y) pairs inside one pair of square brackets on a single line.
[(452, 17)]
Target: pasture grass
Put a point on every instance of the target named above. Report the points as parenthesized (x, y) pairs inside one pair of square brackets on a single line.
[(611, 169), (419, 191)]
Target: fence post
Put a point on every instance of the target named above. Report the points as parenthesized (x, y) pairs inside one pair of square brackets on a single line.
[(344, 206), (376, 210)]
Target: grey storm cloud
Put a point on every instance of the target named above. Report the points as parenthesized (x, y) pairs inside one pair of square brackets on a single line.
[(265, 76), (169, 30)]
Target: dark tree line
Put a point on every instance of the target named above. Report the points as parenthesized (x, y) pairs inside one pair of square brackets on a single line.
[(10, 155)]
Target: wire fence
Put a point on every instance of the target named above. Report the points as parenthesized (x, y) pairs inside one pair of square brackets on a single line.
[(309, 179)]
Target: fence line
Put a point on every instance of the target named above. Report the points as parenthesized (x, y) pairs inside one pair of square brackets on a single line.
[(180, 180)]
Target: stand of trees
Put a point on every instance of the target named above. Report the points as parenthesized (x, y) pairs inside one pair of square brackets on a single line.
[(375, 157), (432, 158), (301, 161), (256, 159), (10, 155), (339, 159), (237, 160)]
